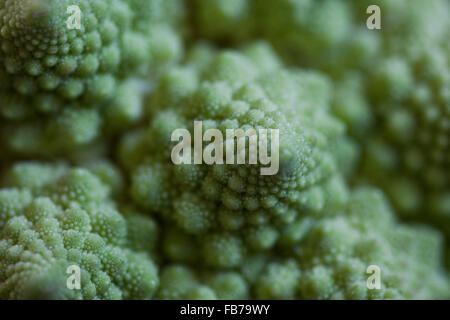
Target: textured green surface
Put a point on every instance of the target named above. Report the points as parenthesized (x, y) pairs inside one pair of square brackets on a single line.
[(52, 217), (86, 176), (205, 200), (75, 84), (392, 84)]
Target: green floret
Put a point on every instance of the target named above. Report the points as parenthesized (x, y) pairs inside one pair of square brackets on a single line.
[(50, 223), (408, 151), (321, 33), (233, 206), (216, 19), (181, 282), (412, 137), (73, 84), (334, 254), (278, 281), (326, 34), (321, 257), (392, 84), (309, 28)]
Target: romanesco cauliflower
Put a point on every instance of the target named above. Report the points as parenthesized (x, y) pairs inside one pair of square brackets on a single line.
[(391, 84), (319, 257), (87, 177), (234, 207), (53, 217), (62, 87)]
